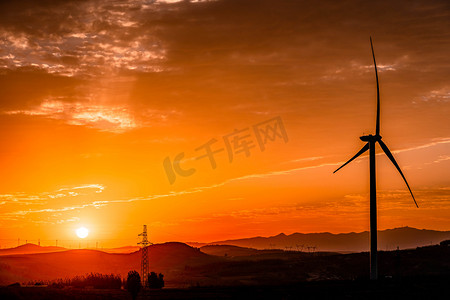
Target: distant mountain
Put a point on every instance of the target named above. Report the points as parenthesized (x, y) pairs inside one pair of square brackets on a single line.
[(390, 239), (30, 248), (168, 258)]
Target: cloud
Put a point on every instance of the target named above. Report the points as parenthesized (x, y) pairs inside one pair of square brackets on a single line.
[(27, 87), (355, 199), (23, 199), (80, 38), (441, 159), (116, 119), (240, 52), (439, 95), (96, 204), (305, 159), (434, 142), (49, 198), (105, 117), (430, 199)]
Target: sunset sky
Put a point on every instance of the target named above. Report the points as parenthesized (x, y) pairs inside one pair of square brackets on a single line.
[(96, 95)]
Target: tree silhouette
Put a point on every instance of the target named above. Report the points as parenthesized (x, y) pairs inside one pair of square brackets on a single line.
[(133, 283), (155, 281)]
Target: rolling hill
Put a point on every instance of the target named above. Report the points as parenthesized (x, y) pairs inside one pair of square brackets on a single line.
[(167, 258), (184, 266), (30, 248)]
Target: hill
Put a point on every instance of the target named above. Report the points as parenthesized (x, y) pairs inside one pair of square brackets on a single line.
[(30, 248), (292, 267), (390, 239), (168, 258), (184, 266)]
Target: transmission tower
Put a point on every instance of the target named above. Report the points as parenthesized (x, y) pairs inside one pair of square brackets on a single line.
[(144, 258)]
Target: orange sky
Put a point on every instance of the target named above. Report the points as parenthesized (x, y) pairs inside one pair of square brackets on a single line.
[(96, 94)]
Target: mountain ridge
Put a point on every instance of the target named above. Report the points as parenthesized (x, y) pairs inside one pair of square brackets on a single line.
[(389, 239)]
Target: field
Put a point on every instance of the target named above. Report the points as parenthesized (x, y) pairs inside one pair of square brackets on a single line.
[(407, 288)]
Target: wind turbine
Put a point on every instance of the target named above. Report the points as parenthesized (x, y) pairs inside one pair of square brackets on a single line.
[(370, 145)]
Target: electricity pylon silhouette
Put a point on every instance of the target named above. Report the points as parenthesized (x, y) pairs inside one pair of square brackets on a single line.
[(144, 256), (371, 142)]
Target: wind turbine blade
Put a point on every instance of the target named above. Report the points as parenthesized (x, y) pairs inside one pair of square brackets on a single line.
[(391, 157), (363, 149), (378, 90)]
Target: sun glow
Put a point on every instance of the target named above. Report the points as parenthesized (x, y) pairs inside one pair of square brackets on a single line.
[(82, 232)]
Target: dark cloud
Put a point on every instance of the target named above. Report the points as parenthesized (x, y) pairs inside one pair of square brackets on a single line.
[(25, 88), (290, 33), (267, 55), (39, 18)]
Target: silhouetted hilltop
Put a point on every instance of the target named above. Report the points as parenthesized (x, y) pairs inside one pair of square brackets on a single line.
[(168, 258), (184, 266), (172, 256), (30, 248), (390, 239)]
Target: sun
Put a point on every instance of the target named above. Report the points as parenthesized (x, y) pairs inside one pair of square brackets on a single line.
[(82, 232)]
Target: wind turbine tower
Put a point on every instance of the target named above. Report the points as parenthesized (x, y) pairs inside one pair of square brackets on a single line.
[(370, 145), (144, 258)]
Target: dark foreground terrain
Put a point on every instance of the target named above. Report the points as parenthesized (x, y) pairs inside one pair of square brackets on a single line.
[(185, 267), (230, 272), (407, 288)]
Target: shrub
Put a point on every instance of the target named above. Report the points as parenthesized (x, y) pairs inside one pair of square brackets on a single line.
[(133, 283), (155, 281)]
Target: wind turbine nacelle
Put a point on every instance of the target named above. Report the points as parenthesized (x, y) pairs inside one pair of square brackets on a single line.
[(370, 138)]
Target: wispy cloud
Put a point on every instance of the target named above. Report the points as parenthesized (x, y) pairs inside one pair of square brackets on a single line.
[(99, 188), (96, 204), (305, 159), (48, 198), (434, 142), (353, 69), (438, 95), (440, 159), (438, 198), (115, 119)]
